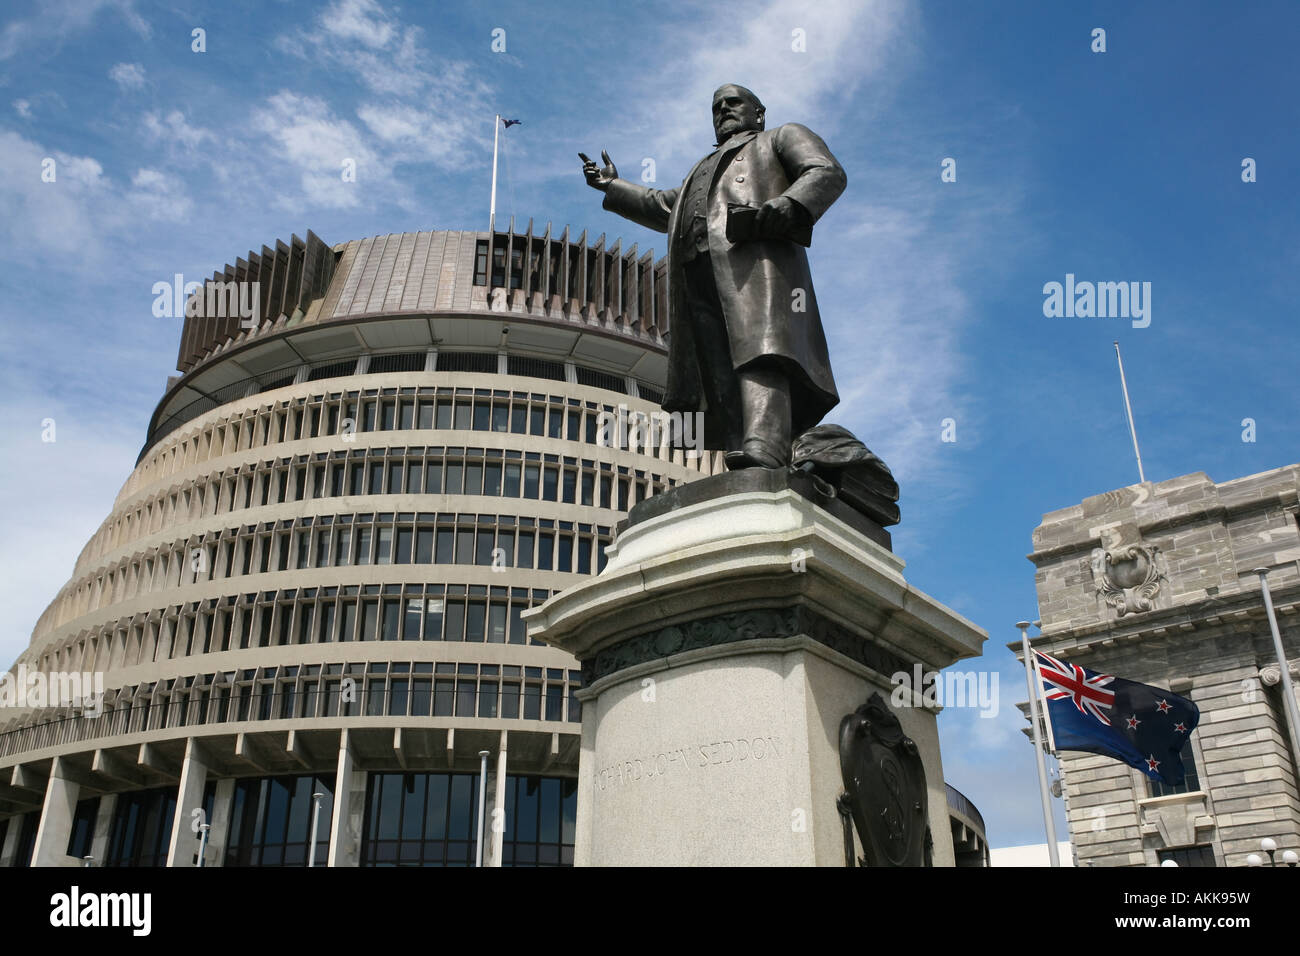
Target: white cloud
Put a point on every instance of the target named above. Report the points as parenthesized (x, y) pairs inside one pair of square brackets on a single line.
[(23, 108), (361, 20), (56, 20), (311, 138), (159, 195), (129, 76), (175, 130)]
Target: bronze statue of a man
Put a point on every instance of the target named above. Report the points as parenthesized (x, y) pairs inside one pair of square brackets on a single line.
[(746, 345)]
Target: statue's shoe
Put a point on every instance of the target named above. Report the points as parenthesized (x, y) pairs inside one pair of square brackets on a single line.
[(753, 455)]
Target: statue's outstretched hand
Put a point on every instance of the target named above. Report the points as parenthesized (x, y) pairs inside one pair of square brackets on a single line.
[(598, 178)]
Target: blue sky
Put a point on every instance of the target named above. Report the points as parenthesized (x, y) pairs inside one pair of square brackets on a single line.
[(1115, 166)]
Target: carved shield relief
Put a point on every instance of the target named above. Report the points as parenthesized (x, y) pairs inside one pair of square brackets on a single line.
[(885, 792)]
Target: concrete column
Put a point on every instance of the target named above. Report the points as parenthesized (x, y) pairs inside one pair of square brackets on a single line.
[(497, 821), (189, 797), (55, 828), (222, 803), (103, 828), (349, 808), (10, 848)]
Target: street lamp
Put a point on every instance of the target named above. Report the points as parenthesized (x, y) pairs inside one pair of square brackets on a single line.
[(1173, 863), (203, 841), (1254, 859), (1290, 857), (1269, 846), (316, 798)]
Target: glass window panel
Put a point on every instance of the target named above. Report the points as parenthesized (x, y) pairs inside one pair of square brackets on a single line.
[(510, 700), (411, 619), (446, 543), (455, 477), (487, 699), (424, 546), (392, 612), (404, 538), (465, 694), (397, 694), (545, 550), (384, 549), (550, 477), (455, 621), (531, 476), (464, 545), (473, 478), (518, 631), (484, 547), (474, 621), (492, 479), (524, 552), (433, 619), (512, 477), (369, 619), (496, 623)]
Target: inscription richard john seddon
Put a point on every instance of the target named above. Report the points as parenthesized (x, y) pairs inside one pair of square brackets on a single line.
[(696, 757)]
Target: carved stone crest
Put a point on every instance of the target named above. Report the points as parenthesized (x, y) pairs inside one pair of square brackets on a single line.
[(885, 794), (1127, 577)]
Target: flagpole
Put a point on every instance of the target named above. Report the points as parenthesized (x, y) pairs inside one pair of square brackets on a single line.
[(496, 139), (1053, 853), (1284, 668), (1042, 702), (1131, 427)]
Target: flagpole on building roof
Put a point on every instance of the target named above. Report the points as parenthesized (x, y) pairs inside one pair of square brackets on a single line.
[(496, 140), (1129, 408), (1053, 852)]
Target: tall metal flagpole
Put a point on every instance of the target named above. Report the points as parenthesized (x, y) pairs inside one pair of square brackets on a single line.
[(1131, 427), (1288, 693), (496, 140), (1053, 853)]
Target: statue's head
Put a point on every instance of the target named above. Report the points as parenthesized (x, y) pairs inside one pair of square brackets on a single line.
[(735, 109)]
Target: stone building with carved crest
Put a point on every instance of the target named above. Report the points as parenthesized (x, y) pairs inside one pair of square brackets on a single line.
[(1158, 583)]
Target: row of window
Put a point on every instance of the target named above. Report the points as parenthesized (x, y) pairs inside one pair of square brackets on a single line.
[(392, 409), (501, 542), (305, 691), (427, 612), (411, 819)]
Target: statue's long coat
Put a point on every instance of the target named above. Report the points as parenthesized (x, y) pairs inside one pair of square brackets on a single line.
[(757, 279)]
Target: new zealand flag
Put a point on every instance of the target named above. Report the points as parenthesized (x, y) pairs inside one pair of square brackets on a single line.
[(1141, 725)]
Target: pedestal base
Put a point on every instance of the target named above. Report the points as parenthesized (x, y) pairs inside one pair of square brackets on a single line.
[(721, 647)]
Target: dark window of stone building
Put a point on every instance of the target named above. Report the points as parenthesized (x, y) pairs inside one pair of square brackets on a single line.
[(1191, 782), (1189, 856)]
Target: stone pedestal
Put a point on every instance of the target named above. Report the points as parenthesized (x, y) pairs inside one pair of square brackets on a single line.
[(721, 646)]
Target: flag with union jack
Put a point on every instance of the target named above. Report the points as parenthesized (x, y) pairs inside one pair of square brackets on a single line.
[(1143, 726)]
